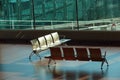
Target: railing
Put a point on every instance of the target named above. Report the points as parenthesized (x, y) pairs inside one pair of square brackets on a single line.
[(104, 24), (39, 24)]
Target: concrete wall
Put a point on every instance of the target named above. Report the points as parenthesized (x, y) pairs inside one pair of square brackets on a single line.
[(78, 37)]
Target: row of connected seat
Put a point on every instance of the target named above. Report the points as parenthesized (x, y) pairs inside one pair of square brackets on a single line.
[(77, 53), (44, 42)]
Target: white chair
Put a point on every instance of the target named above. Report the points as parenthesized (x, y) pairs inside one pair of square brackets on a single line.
[(49, 40), (56, 38), (43, 44), (35, 48)]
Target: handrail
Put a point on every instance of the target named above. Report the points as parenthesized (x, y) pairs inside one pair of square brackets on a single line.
[(56, 24)]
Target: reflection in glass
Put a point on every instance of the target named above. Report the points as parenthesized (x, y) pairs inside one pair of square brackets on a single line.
[(83, 15)]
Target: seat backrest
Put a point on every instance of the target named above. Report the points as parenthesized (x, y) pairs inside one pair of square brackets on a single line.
[(55, 36), (42, 41), (56, 53), (95, 54), (35, 44), (49, 39), (68, 53), (82, 54)]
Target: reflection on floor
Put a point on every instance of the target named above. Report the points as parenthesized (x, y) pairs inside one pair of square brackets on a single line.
[(15, 65)]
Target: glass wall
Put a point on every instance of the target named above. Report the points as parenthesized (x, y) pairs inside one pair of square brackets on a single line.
[(60, 14)]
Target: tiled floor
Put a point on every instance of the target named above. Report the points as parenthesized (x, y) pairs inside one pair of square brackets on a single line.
[(15, 65)]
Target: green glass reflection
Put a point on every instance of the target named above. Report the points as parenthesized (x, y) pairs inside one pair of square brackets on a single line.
[(24, 14)]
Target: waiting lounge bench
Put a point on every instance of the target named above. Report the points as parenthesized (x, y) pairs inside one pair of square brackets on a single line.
[(68, 53), (44, 42)]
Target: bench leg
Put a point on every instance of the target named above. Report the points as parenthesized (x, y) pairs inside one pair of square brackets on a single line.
[(54, 62), (38, 56), (106, 62), (50, 61), (102, 64), (31, 54)]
